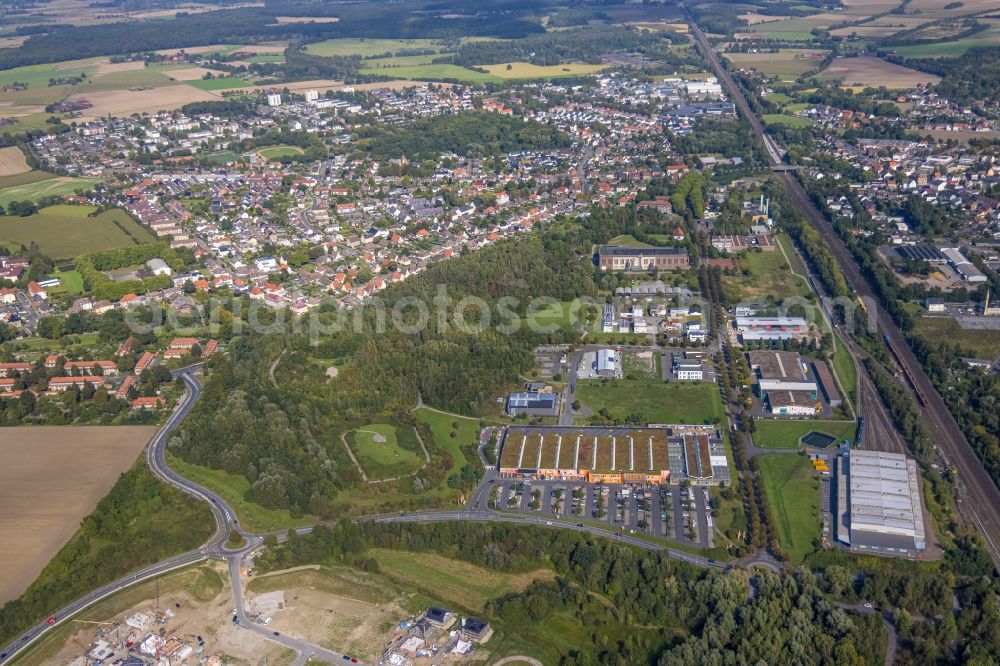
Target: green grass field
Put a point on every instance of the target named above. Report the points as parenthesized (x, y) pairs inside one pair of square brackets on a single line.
[(627, 240), (232, 489), (652, 400), (400, 61), (786, 119), (64, 232), (793, 491), (442, 425), (419, 72), (37, 76), (70, 282), (385, 459), (558, 314), (368, 47), (787, 63), (526, 70), (789, 35), (25, 178), (280, 152), (769, 275), (148, 78), (224, 157), (954, 48), (31, 122), (266, 58), (53, 187), (980, 344), (777, 434), (843, 364), (458, 583)]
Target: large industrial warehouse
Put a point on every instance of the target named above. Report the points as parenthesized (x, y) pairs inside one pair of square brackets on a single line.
[(878, 503), (615, 454)]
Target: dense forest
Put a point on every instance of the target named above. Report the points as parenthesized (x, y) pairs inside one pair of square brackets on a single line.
[(474, 133), (559, 47), (248, 25), (139, 522)]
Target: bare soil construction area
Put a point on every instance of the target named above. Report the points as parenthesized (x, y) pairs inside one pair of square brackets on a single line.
[(51, 477), (199, 599)]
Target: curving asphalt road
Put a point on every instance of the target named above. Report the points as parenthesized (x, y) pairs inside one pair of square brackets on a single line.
[(225, 522)]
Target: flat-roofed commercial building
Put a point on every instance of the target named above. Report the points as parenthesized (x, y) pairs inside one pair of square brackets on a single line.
[(779, 365), (607, 364), (784, 382), (641, 259), (792, 403), (771, 328), (532, 404), (879, 508), (618, 454), (828, 384)]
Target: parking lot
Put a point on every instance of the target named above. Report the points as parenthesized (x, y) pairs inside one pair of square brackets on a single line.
[(550, 360), (669, 511)]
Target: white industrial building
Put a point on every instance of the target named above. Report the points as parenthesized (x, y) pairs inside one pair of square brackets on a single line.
[(878, 502), (783, 381), (771, 328), (688, 369), (158, 266), (608, 364), (963, 266)]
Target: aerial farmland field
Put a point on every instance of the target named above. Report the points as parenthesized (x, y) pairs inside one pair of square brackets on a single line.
[(787, 63), (368, 47), (50, 478), (874, 72), (13, 162), (64, 232)]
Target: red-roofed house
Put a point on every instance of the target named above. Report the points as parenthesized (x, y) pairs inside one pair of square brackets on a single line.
[(8, 369), (36, 291), (151, 404), (145, 361)]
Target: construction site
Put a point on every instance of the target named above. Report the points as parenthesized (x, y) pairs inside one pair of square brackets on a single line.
[(182, 618)]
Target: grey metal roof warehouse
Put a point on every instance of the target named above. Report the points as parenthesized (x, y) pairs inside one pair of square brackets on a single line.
[(883, 496)]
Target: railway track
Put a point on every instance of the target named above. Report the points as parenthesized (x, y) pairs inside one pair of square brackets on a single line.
[(978, 495)]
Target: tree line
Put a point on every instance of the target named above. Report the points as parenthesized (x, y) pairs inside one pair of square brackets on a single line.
[(649, 608), (473, 133)]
